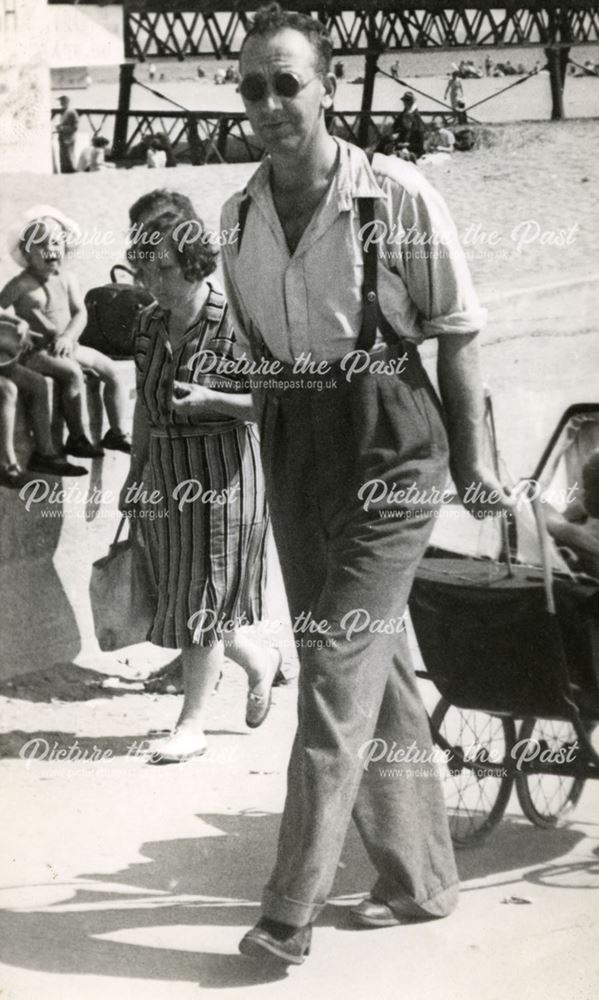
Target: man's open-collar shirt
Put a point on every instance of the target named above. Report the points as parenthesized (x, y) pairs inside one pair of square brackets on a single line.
[(310, 302)]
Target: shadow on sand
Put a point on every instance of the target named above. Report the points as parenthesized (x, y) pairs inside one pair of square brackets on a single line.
[(116, 925)]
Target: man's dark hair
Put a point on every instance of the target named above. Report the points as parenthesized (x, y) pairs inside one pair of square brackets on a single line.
[(272, 18)]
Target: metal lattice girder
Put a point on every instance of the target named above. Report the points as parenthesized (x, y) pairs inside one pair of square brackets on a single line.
[(180, 28)]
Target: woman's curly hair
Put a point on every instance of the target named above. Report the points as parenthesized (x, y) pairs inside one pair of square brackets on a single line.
[(168, 215)]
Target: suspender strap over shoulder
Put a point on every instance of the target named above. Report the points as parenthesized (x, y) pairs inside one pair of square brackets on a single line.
[(244, 207), (367, 335), (372, 318)]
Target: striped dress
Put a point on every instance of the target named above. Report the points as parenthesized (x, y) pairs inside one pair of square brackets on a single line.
[(207, 532)]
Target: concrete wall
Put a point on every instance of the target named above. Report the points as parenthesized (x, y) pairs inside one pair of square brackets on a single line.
[(47, 548), (24, 87)]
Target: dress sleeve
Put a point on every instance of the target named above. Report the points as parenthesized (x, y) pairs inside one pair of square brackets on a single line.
[(432, 263), (141, 341), (224, 346)]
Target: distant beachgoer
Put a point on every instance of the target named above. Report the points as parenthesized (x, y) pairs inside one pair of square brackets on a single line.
[(461, 115), (395, 70), (409, 128), (488, 65), (454, 89), (157, 144), (521, 69), (339, 70), (151, 71), (93, 157), (219, 77), (156, 155), (67, 134), (440, 139)]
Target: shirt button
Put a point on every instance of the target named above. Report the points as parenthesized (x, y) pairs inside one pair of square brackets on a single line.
[(371, 296)]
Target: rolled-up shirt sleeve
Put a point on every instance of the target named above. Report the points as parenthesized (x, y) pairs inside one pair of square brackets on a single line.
[(432, 263)]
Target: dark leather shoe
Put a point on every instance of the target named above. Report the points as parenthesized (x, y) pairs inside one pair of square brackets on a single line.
[(373, 913), (269, 937)]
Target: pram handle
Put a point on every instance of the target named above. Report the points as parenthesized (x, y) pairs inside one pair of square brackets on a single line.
[(539, 513)]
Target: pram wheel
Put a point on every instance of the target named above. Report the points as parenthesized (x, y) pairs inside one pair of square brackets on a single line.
[(546, 799), (476, 785)]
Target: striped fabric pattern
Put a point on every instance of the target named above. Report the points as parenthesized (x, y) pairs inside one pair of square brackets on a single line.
[(207, 536)]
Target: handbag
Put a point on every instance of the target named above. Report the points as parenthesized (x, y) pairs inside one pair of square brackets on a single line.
[(112, 311), (123, 591)]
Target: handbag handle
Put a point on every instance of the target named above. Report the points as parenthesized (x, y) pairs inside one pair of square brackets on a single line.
[(120, 267), (124, 519)]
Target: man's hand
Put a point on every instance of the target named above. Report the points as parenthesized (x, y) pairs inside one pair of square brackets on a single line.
[(481, 492)]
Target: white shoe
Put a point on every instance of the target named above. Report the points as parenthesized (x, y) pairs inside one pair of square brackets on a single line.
[(182, 744)]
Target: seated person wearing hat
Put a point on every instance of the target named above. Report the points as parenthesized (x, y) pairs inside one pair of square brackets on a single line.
[(409, 129)]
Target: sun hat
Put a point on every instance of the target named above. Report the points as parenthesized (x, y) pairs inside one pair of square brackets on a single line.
[(408, 96), (16, 232)]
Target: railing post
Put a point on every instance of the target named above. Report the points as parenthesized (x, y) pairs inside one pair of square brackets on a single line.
[(370, 64), (195, 146), (223, 132), (121, 124), (556, 82)]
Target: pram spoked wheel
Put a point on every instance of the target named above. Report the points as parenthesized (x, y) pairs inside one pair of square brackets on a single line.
[(547, 799), (476, 779)]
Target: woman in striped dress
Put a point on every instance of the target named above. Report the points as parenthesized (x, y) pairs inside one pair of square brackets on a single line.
[(207, 535)]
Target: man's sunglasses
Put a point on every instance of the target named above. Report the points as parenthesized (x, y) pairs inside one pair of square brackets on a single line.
[(255, 87)]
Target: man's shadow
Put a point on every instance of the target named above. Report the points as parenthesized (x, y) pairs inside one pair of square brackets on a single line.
[(178, 914)]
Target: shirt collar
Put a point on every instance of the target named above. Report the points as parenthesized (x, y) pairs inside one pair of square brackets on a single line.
[(355, 178)]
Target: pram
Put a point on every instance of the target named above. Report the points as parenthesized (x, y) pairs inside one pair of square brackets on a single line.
[(513, 649)]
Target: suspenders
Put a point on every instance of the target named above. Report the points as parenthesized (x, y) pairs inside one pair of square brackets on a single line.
[(372, 317)]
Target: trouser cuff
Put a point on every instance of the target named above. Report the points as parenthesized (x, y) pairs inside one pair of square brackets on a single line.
[(440, 904), (289, 911)]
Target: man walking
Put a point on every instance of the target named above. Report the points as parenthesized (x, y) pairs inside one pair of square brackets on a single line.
[(321, 284)]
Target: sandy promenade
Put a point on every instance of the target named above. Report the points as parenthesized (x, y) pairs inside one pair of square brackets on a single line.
[(122, 881)]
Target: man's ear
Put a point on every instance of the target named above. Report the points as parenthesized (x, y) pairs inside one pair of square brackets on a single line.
[(329, 83)]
